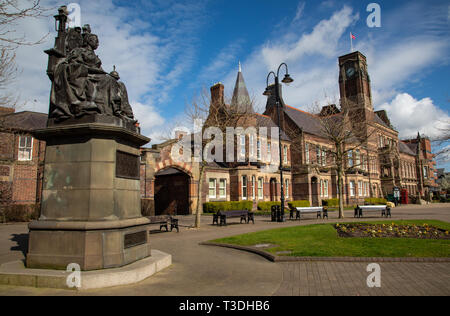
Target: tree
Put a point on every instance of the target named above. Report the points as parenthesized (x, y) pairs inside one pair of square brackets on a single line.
[(443, 142), (8, 71), (215, 117), (11, 14), (347, 131)]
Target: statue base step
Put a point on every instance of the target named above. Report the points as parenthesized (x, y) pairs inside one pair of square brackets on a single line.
[(16, 274)]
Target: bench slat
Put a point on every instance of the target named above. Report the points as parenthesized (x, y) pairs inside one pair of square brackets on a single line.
[(372, 207), (309, 209)]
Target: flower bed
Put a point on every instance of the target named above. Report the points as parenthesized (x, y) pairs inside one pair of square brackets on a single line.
[(392, 230)]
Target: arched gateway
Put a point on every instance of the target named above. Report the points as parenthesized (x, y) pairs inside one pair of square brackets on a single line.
[(172, 196)]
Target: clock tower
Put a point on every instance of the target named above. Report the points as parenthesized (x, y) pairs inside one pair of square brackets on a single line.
[(354, 82)]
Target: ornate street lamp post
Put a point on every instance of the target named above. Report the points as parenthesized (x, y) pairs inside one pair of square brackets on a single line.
[(287, 80)]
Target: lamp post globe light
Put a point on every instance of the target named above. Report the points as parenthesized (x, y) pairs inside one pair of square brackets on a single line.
[(286, 80)]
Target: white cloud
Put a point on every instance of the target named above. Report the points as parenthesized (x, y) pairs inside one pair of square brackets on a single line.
[(409, 116), (311, 58), (227, 58), (150, 120), (300, 9), (394, 67)]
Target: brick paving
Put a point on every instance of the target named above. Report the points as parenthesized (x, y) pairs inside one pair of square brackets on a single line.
[(349, 278), (205, 270)]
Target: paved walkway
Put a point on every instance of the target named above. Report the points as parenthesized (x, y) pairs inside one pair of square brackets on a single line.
[(205, 270)]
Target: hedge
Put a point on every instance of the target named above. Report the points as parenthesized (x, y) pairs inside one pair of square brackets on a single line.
[(299, 203), (19, 212), (375, 201), (267, 206), (214, 207), (331, 202)]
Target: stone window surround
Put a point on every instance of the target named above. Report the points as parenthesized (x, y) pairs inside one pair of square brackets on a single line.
[(320, 153), (352, 188), (254, 187), (224, 188), (24, 148), (324, 188), (244, 187), (260, 188), (360, 188), (286, 185), (212, 187)]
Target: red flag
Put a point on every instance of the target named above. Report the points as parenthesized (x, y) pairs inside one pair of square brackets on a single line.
[(352, 36)]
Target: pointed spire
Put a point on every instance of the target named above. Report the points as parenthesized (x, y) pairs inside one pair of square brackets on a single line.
[(241, 98)]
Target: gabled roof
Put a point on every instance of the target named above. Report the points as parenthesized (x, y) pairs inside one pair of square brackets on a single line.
[(406, 148), (266, 121), (24, 121), (308, 122), (412, 147), (241, 98), (381, 118)]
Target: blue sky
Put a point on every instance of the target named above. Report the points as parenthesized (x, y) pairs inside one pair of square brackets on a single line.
[(168, 51)]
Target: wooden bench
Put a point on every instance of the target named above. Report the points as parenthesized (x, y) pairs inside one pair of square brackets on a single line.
[(321, 212), (221, 217), (164, 221), (385, 210)]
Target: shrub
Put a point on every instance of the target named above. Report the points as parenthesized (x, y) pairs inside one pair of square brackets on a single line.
[(19, 212), (267, 206), (375, 201), (214, 207), (443, 199), (331, 202), (299, 203)]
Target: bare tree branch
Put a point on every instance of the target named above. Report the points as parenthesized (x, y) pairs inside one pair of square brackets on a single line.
[(213, 113), (443, 142), (12, 13), (346, 134)]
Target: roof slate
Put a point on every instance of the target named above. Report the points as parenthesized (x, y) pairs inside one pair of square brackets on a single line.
[(24, 121), (409, 149), (308, 122), (265, 121)]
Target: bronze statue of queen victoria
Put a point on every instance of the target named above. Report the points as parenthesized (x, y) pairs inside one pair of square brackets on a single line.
[(79, 84)]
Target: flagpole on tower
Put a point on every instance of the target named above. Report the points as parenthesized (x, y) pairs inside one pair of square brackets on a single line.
[(352, 37), (351, 42)]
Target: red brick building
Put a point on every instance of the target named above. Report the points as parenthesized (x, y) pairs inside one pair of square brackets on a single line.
[(373, 170), (21, 157)]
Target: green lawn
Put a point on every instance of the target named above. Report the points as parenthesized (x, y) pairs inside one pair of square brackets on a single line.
[(321, 240)]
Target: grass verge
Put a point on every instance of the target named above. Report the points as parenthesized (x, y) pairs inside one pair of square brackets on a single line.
[(321, 240)]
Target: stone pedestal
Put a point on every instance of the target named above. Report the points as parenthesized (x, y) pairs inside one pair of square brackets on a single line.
[(90, 208)]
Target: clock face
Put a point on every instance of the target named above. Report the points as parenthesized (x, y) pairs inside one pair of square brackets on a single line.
[(350, 72)]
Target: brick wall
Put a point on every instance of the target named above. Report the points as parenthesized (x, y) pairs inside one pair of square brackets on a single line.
[(20, 181)]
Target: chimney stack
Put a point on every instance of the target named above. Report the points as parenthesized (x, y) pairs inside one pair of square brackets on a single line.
[(180, 134), (217, 94)]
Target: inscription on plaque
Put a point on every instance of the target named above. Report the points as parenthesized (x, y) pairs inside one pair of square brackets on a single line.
[(135, 239), (127, 165)]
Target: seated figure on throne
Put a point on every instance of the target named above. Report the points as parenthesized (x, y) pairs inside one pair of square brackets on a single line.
[(80, 85)]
